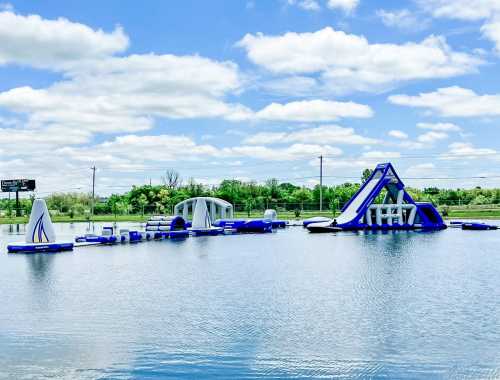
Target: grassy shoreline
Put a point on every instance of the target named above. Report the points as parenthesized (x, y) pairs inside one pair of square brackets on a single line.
[(453, 214)]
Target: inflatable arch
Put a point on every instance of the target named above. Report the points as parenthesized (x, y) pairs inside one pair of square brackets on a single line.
[(217, 208)]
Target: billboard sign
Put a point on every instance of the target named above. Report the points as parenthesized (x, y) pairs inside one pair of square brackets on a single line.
[(13, 185)]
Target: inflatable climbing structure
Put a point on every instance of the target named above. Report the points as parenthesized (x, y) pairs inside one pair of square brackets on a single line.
[(396, 210)]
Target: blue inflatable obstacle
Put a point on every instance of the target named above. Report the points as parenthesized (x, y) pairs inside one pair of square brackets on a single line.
[(317, 219), (127, 236), (163, 227), (40, 235), (473, 226), (244, 225), (267, 224), (272, 215), (107, 237), (397, 211), (478, 227), (455, 224)]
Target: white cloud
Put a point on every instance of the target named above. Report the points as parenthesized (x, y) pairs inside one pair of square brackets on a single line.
[(125, 94), (133, 152), (461, 9), (265, 138), (347, 6), (103, 93), (54, 44), (469, 10), (29, 141), (402, 19), (314, 111), (461, 150), (452, 102), (398, 134), (440, 127), (380, 155), (416, 175), (327, 134), (294, 85), (491, 30), (134, 148), (308, 5), (431, 137), (347, 163), (348, 62), (293, 152), (420, 168)]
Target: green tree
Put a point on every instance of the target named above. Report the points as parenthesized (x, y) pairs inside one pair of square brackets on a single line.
[(302, 195), (249, 205), (366, 174), (142, 202)]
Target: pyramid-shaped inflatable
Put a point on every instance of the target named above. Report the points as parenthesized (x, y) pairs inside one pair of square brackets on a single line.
[(40, 235)]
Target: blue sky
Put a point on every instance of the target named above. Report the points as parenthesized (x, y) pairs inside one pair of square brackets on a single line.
[(249, 90)]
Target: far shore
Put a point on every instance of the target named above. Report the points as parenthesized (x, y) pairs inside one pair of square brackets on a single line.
[(452, 214)]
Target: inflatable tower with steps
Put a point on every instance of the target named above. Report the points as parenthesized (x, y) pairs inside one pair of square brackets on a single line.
[(397, 211)]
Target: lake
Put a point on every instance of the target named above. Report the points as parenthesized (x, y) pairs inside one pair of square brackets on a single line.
[(282, 305)]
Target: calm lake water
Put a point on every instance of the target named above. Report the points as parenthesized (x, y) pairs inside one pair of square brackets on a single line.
[(281, 305)]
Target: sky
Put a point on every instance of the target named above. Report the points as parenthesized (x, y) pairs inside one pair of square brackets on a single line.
[(249, 90)]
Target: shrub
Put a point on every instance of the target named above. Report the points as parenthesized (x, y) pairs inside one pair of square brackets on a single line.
[(445, 211)]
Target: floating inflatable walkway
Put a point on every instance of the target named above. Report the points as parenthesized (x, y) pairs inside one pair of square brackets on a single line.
[(397, 211), (40, 235), (266, 224), (244, 225), (107, 237)]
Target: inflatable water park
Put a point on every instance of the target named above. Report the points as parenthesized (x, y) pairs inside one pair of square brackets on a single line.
[(381, 203)]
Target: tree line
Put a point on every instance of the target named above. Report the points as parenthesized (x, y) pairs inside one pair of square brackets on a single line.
[(245, 196)]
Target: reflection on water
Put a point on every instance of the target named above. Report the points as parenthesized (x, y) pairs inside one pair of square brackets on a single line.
[(17, 229), (282, 305), (40, 266)]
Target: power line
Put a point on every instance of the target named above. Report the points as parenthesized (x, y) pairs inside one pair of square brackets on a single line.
[(421, 156)]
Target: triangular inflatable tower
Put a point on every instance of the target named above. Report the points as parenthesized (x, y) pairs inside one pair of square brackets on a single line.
[(201, 216), (202, 223), (40, 229), (397, 211), (40, 235)]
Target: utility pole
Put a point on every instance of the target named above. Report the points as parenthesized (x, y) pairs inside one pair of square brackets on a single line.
[(93, 192), (17, 203), (321, 183)]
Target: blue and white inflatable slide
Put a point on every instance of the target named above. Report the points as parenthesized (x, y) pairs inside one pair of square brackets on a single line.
[(397, 211)]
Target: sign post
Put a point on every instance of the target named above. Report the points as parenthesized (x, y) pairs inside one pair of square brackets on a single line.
[(17, 185)]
